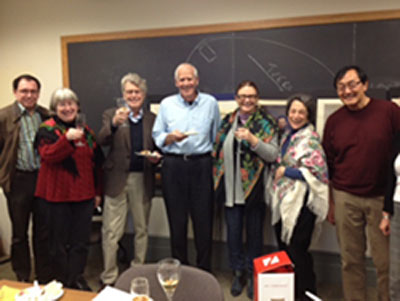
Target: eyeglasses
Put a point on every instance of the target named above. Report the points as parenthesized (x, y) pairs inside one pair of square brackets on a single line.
[(27, 91), (249, 96), (351, 85)]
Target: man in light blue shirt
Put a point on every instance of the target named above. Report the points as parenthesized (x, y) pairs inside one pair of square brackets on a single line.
[(184, 130)]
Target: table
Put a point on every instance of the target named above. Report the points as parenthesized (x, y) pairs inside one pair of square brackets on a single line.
[(69, 294)]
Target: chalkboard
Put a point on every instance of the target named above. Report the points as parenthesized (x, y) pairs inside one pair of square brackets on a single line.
[(281, 60)]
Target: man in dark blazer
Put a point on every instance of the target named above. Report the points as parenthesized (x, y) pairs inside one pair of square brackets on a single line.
[(19, 163), (129, 177)]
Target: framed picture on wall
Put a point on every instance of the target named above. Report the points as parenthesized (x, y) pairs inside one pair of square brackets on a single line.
[(394, 95), (396, 101), (325, 107), (275, 107), (226, 106)]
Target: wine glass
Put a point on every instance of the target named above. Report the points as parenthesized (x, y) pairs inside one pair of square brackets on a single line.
[(239, 140), (168, 274), (140, 287), (121, 104), (80, 122)]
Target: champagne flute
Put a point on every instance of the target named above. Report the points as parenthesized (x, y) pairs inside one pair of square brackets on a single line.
[(140, 288), (168, 274), (239, 140), (80, 122), (121, 104)]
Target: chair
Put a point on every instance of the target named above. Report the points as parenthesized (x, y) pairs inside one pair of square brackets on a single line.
[(194, 285)]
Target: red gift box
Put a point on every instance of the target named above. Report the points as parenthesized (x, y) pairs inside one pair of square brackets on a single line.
[(274, 277)]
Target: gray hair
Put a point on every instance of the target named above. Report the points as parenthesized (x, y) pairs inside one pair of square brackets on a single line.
[(61, 94), (135, 79), (176, 73)]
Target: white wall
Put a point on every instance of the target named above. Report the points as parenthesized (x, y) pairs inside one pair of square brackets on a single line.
[(30, 32), (5, 225)]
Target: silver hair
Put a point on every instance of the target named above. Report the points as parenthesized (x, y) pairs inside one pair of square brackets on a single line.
[(195, 72), (61, 94), (135, 79)]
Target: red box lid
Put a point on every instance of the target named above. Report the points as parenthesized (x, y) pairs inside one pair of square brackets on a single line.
[(278, 262)]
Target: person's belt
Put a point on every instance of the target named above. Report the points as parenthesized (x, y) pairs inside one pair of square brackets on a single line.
[(189, 157)]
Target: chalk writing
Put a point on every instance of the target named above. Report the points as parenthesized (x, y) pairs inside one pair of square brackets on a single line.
[(272, 72)]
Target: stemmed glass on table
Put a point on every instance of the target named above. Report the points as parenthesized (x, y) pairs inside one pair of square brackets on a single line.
[(168, 274), (80, 122), (121, 103)]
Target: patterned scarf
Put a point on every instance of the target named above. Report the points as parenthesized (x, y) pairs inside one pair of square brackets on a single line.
[(260, 124), (305, 153), (304, 150), (52, 129)]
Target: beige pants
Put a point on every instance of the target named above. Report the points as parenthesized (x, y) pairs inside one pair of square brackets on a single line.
[(114, 218), (354, 217)]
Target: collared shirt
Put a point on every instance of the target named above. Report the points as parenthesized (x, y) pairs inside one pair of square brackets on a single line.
[(201, 117), (27, 158), (137, 118)]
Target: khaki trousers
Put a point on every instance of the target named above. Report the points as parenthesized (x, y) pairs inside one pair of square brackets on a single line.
[(354, 217), (114, 218)]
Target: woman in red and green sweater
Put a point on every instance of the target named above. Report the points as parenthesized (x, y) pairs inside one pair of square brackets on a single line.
[(69, 180)]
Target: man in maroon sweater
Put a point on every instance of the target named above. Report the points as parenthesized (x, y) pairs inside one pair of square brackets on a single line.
[(357, 141)]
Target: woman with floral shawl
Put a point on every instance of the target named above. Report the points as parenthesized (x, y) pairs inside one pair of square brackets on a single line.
[(300, 199), (245, 145)]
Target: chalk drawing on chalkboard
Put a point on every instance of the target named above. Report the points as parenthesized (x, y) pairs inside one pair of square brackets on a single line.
[(384, 83), (208, 53), (279, 79), (273, 65), (204, 45), (354, 45)]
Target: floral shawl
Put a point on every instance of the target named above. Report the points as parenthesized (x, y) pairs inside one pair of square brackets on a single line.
[(305, 153), (260, 124)]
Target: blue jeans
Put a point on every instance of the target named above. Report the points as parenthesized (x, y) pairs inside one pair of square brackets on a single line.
[(254, 218)]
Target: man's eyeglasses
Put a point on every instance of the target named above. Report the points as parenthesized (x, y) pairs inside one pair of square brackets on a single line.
[(351, 85), (27, 91), (249, 96)]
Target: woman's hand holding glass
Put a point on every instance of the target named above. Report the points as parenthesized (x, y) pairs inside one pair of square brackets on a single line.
[(80, 122), (243, 133), (74, 134)]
